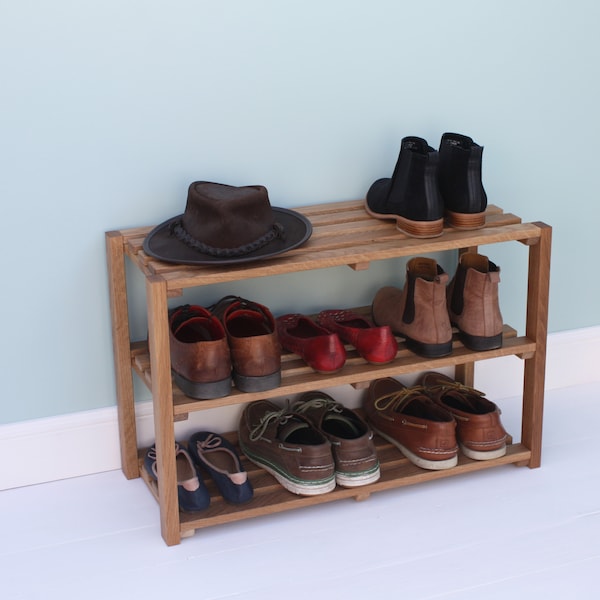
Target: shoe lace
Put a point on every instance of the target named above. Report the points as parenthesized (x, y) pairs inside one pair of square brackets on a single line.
[(282, 416), (455, 386), (211, 442), (214, 442), (330, 405), (395, 400), (152, 452)]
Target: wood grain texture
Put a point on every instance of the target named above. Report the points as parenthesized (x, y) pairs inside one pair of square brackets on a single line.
[(121, 353), (343, 234), (270, 497)]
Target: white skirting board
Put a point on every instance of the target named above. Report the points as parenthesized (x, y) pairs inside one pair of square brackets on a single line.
[(84, 443)]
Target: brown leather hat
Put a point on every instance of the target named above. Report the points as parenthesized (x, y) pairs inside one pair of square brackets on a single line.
[(224, 224)]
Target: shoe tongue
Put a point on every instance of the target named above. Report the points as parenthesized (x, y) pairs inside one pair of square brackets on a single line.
[(291, 426), (245, 323), (340, 426), (195, 329), (406, 402), (245, 314), (413, 401), (462, 398), (467, 402)]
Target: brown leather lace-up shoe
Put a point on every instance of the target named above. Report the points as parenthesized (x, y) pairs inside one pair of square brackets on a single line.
[(200, 359), (288, 446), (253, 342), (479, 430), (473, 302), (356, 461), (418, 312), (406, 417)]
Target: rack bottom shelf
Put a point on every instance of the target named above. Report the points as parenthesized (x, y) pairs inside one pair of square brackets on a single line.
[(270, 497)]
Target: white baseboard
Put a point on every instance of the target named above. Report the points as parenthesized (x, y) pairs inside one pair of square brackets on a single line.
[(87, 442)]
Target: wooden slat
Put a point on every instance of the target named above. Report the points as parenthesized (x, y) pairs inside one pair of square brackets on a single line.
[(297, 377), (345, 253), (343, 234)]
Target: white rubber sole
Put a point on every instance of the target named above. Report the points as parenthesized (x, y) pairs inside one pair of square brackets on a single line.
[(482, 454), (431, 465), (344, 480), (296, 487), (301, 489)]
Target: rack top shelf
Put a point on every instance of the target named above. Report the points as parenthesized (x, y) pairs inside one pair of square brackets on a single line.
[(343, 234)]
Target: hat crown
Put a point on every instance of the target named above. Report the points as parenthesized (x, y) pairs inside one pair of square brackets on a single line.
[(225, 216), (224, 224)]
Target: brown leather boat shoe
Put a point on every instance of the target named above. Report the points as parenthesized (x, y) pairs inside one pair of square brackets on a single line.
[(423, 431), (356, 461), (288, 446), (479, 430)]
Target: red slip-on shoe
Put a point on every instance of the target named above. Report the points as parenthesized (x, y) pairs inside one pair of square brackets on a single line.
[(322, 350), (376, 345)]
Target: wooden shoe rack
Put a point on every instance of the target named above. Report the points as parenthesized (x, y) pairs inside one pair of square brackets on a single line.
[(343, 234)]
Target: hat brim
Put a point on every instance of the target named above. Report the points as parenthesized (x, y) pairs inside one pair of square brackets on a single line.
[(161, 244)]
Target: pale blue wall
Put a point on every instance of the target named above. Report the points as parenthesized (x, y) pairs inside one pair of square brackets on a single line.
[(109, 109)]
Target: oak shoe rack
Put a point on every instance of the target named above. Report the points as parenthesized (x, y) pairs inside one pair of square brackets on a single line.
[(343, 234)]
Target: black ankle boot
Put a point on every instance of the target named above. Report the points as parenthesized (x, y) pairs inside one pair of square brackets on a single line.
[(411, 196), (459, 179)]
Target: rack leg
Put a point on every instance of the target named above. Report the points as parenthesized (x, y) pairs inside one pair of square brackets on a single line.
[(122, 353), (162, 398), (465, 373), (537, 330)]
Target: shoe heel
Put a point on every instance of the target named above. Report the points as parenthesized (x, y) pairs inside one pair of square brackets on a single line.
[(465, 221), (203, 391), (420, 229), (429, 350), (482, 454), (245, 383), (479, 343)]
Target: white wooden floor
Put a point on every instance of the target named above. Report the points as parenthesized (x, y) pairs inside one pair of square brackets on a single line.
[(504, 533)]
